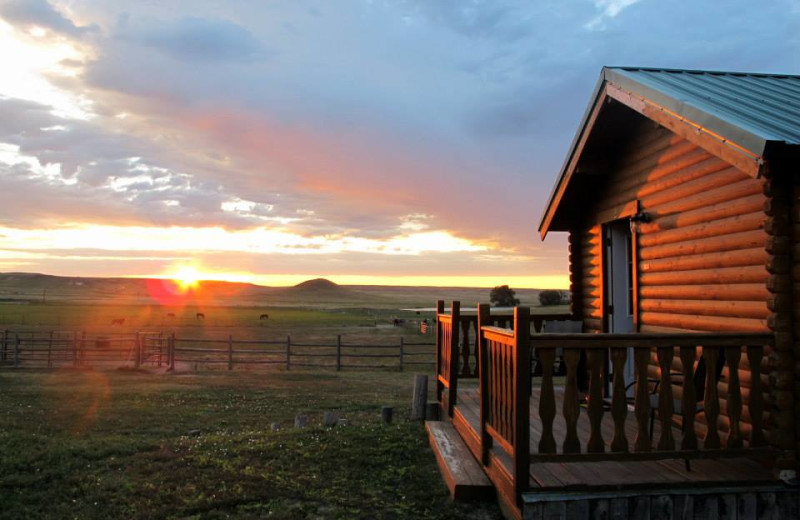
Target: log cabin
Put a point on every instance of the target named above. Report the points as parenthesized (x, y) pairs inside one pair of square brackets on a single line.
[(680, 195)]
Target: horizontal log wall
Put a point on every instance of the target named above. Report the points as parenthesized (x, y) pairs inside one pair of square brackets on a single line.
[(704, 260), (785, 377)]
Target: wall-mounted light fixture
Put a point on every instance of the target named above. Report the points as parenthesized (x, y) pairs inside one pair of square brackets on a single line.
[(641, 217)]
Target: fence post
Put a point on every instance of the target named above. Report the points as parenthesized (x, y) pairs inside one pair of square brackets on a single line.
[(288, 352), (16, 351), (338, 352), (5, 345), (50, 351), (74, 349), (230, 352), (83, 348), (137, 351), (170, 350), (402, 343)]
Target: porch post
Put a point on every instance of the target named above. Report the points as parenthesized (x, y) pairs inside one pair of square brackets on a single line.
[(438, 341), (522, 389), (455, 313), (483, 379)]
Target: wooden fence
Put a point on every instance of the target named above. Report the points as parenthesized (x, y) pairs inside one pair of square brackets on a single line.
[(157, 349)]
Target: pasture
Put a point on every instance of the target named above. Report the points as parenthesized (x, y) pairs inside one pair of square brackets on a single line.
[(124, 443), (131, 444)]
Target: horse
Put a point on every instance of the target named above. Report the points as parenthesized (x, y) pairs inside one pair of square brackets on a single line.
[(264, 317), (200, 316), (118, 321)]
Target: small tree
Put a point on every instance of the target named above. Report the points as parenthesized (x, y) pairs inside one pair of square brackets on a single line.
[(550, 297), (503, 296)]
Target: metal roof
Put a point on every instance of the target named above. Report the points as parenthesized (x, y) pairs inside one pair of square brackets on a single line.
[(747, 109)]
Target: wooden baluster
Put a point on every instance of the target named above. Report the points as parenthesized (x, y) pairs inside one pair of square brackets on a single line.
[(711, 400), (476, 346), (665, 407), (570, 408), (547, 400), (595, 360), (466, 324), (502, 391), (733, 355), (619, 402), (641, 357), (689, 397), (497, 416), (502, 418), (756, 405), (509, 399)]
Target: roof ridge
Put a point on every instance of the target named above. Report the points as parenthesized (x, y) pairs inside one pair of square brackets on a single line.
[(702, 71)]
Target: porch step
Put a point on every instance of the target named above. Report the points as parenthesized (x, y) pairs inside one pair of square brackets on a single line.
[(462, 473)]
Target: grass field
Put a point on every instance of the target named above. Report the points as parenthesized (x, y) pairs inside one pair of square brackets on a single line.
[(125, 444), (358, 322), (134, 444)]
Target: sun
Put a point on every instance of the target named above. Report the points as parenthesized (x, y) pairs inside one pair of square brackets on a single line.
[(187, 277)]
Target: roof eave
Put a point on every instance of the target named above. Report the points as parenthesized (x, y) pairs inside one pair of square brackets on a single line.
[(598, 97), (749, 147), (735, 134)]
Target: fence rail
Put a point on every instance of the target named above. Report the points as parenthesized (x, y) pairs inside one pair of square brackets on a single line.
[(79, 349)]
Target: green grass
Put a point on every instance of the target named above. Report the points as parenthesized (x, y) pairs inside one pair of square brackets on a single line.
[(124, 444)]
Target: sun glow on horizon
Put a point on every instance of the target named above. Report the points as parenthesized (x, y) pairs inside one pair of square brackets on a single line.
[(187, 277)]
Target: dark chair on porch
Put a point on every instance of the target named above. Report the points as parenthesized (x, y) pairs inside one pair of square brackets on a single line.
[(555, 327), (677, 379)]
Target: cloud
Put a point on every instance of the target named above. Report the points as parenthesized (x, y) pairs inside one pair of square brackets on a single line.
[(365, 120), (40, 13), (608, 9), (194, 38)]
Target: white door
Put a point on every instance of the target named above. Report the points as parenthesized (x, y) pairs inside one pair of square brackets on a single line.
[(619, 284)]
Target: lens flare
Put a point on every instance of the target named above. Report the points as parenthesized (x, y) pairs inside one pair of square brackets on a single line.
[(187, 277)]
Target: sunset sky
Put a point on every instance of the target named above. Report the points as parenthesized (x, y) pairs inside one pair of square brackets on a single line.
[(370, 142)]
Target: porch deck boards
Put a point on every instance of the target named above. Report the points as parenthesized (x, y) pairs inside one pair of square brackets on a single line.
[(614, 475)]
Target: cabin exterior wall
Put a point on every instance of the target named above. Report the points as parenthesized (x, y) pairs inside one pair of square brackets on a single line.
[(705, 261)]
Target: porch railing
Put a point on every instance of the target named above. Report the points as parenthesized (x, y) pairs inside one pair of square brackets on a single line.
[(505, 381), (698, 406), (504, 391), (457, 345), (447, 331)]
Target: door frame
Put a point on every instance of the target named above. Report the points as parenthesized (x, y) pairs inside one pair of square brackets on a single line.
[(626, 213)]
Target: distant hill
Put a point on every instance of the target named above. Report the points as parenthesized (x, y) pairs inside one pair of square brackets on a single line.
[(318, 284), (321, 290)]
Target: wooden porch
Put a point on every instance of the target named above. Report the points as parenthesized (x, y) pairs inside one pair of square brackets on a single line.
[(582, 474), (655, 439)]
